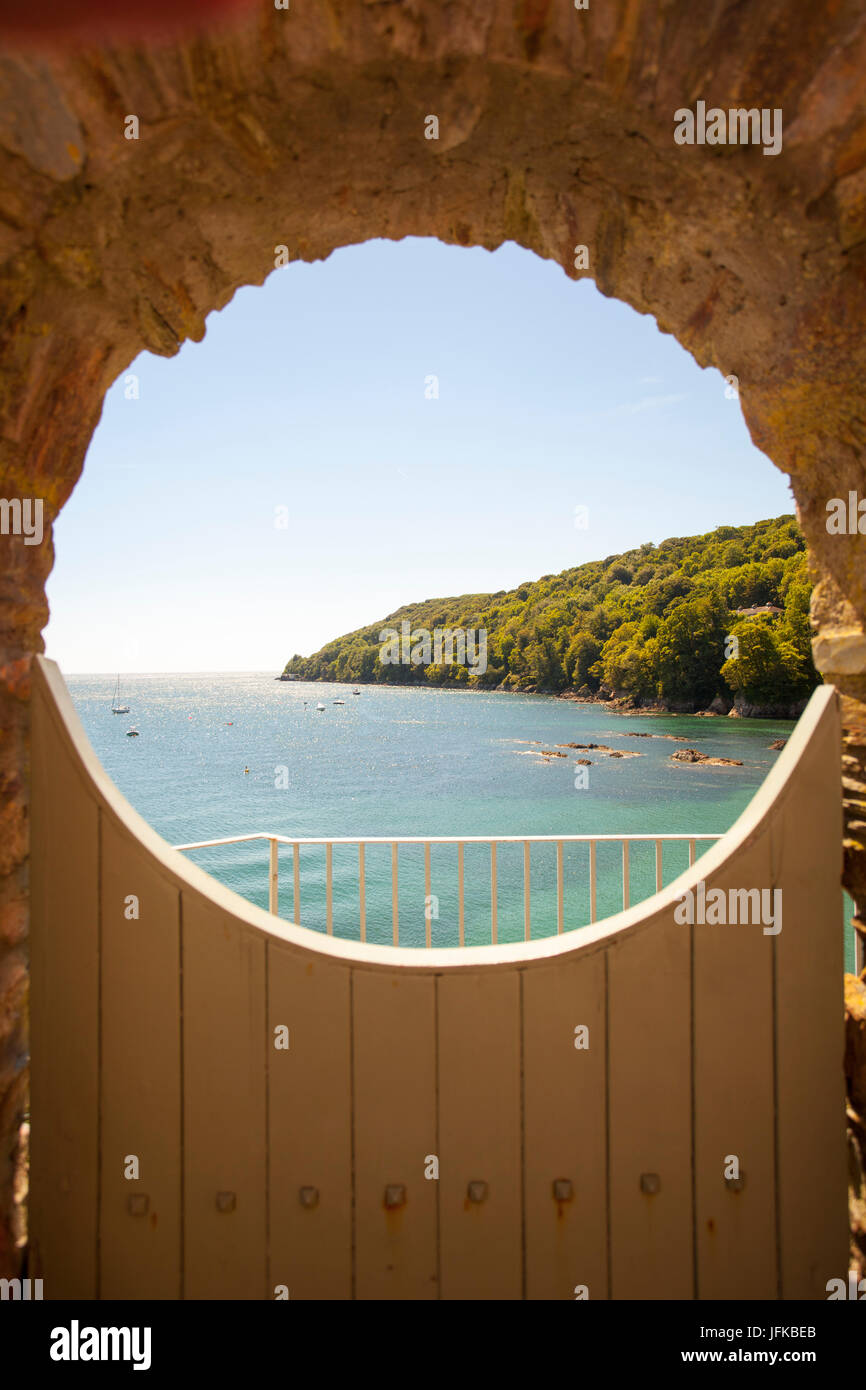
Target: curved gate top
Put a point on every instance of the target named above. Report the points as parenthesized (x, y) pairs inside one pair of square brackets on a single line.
[(230, 1106)]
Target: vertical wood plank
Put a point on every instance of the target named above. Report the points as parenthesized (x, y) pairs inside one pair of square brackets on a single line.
[(141, 1081), (309, 1088), (810, 1011), (734, 1095), (565, 1129), (649, 1011), (64, 1010), (224, 1045), (395, 1135), (479, 1135)]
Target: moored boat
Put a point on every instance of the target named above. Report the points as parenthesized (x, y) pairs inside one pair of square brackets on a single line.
[(115, 707)]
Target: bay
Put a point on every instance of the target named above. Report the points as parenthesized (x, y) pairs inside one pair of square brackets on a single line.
[(400, 761)]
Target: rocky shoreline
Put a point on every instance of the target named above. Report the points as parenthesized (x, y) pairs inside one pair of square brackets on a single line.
[(615, 704), (719, 709)]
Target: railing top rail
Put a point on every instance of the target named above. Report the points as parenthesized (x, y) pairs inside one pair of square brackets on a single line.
[(443, 839)]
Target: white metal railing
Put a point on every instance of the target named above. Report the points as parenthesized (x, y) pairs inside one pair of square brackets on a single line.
[(527, 841)]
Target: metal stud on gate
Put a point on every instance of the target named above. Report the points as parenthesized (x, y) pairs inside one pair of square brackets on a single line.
[(736, 1184), (138, 1204), (395, 1195), (226, 1201), (477, 1191), (563, 1189), (650, 1183), (309, 1197)]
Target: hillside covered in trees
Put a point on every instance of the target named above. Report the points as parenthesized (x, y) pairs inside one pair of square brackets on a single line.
[(654, 625)]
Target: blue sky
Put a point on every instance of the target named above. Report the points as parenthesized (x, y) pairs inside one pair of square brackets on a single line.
[(287, 479)]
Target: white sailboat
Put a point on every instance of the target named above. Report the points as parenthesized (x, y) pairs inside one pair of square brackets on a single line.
[(320, 707), (117, 708)]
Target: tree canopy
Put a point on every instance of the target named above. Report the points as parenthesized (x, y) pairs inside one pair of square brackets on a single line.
[(659, 623)]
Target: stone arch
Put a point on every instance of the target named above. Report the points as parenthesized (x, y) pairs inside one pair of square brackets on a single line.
[(306, 128)]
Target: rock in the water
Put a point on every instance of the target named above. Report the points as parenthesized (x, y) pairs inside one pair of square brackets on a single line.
[(691, 755)]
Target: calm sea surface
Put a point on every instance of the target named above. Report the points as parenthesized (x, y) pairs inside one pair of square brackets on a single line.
[(413, 762)]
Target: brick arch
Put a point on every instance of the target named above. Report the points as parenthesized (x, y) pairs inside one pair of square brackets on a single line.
[(305, 128)]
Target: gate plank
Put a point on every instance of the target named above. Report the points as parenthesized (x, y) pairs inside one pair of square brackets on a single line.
[(565, 1129), (395, 1132), (479, 1135), (224, 1044), (309, 1089), (141, 1080)]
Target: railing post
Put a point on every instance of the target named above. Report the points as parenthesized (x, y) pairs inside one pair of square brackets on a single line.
[(658, 866), (560, 923), (592, 880), (461, 904), (395, 901), (626, 886), (493, 931), (273, 879), (362, 891), (296, 904), (427, 928), (329, 887), (527, 927)]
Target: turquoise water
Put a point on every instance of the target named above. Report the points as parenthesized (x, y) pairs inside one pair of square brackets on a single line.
[(414, 762)]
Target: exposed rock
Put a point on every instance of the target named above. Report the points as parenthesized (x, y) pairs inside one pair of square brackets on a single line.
[(691, 755), (677, 738), (855, 1075), (743, 710), (855, 1043), (777, 745), (601, 748)]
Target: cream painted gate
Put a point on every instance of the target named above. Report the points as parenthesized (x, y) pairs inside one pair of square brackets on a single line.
[(303, 1168)]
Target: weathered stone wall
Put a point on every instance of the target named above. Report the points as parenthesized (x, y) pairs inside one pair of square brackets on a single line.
[(305, 127)]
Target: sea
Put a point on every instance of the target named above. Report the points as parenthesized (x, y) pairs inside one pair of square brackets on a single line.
[(220, 755)]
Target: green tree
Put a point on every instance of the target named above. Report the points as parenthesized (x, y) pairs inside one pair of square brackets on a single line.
[(691, 643)]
